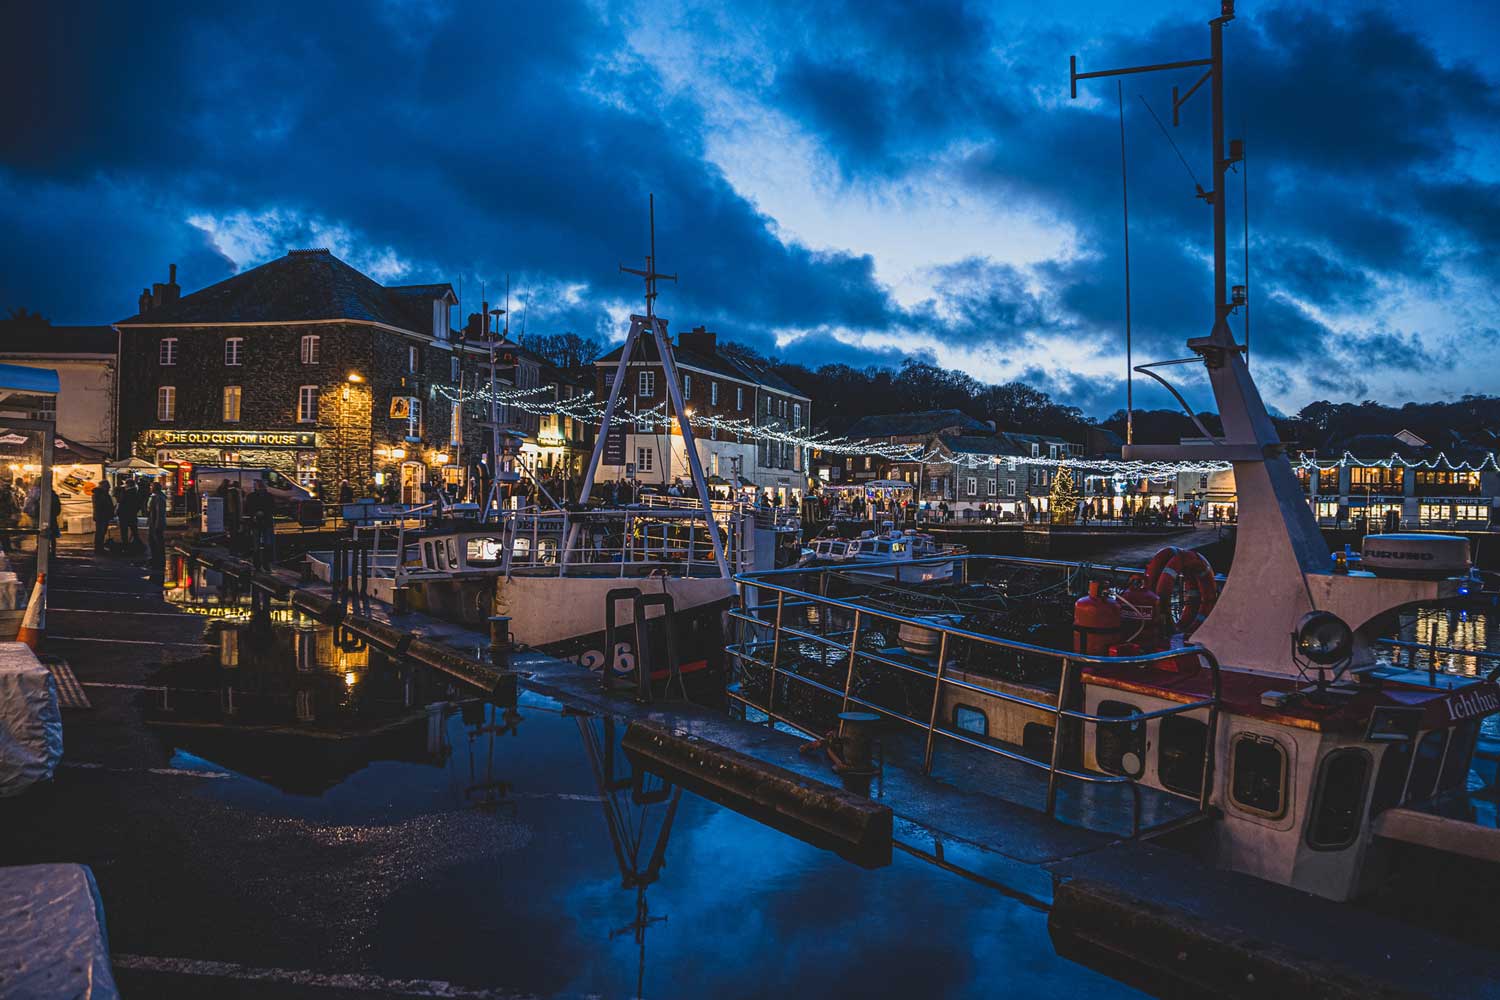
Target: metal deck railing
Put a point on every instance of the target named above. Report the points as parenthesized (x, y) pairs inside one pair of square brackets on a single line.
[(766, 630)]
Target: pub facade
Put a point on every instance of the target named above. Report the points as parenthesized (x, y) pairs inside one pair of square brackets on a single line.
[(309, 367)]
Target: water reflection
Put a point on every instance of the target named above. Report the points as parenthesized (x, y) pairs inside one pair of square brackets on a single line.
[(1453, 626)]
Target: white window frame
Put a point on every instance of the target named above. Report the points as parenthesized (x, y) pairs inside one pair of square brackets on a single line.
[(1010, 487), (304, 393), (454, 371), (237, 393), (739, 397), (644, 459), (1036, 450), (971, 485), (991, 488), (687, 386), (713, 395), (411, 359), (166, 351), (234, 351), (310, 349), (166, 404), (797, 415), (646, 385)]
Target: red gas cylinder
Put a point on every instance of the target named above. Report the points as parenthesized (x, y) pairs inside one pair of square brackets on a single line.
[(1140, 609), (1096, 622)]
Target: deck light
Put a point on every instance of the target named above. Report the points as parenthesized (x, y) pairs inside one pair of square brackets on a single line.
[(1323, 638)]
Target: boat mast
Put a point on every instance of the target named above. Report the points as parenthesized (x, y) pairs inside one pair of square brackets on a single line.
[(653, 327)]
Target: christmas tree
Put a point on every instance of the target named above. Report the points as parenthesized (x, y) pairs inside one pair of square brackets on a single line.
[(1064, 500)]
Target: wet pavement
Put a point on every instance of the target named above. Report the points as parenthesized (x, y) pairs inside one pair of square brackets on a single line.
[(321, 833)]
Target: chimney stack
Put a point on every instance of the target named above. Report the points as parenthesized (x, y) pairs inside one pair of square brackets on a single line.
[(699, 340), (165, 294), (143, 304)]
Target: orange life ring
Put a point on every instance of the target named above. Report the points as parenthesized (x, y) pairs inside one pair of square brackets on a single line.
[(1201, 588)]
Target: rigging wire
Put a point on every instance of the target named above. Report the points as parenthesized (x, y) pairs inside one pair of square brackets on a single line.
[(1168, 136)]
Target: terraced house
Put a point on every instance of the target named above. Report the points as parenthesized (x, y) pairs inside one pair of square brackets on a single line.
[(714, 385), (304, 365)]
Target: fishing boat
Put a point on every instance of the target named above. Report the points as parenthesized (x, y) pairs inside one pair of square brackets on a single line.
[(891, 554), (1264, 726), (587, 583)]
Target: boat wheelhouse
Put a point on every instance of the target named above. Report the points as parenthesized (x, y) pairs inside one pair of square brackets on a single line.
[(1264, 727), (906, 556)]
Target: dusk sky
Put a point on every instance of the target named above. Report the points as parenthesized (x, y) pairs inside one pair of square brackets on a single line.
[(857, 182)]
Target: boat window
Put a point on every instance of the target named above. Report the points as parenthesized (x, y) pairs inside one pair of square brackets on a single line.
[(1338, 800), (452, 546), (522, 548), (1036, 741), (1424, 770), (439, 556), (483, 551), (1460, 750), (1391, 778), (1258, 775), (1180, 748), (546, 551), (428, 558), (1120, 747), (968, 719)]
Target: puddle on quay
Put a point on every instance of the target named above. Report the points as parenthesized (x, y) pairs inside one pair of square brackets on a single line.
[(519, 846)]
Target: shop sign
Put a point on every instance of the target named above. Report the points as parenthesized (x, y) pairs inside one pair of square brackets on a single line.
[(236, 439), (614, 445), (401, 407)]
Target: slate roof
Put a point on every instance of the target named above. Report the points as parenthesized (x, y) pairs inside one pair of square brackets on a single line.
[(1027, 439), (981, 444), (27, 339), (304, 285), (719, 364), (914, 424), (1381, 446)]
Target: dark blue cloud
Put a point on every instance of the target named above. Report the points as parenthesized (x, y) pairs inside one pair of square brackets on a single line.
[(532, 154)]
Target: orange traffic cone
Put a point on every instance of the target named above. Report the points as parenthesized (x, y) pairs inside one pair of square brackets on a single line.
[(34, 624)]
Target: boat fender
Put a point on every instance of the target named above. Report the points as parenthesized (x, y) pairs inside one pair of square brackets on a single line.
[(1200, 589), (1140, 607), (1097, 622)]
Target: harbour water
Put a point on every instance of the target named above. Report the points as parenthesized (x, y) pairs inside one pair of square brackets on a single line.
[(492, 846)]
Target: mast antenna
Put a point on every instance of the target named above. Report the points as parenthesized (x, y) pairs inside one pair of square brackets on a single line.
[(1125, 204), (650, 274)]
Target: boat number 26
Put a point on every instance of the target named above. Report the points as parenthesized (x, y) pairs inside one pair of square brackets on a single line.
[(624, 659)]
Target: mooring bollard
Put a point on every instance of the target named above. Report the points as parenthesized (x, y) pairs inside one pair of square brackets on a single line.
[(500, 644), (858, 747)]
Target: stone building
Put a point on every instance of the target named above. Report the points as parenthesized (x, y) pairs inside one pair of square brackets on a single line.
[(306, 366), (714, 384)]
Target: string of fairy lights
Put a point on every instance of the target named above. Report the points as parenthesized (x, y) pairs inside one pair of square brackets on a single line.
[(586, 407)]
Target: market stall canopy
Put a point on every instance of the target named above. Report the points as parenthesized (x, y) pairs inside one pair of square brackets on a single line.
[(890, 484), (24, 390), (134, 464)]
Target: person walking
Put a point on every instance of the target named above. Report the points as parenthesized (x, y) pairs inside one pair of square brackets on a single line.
[(232, 503), (260, 509), (126, 507), (104, 514), (156, 532)]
